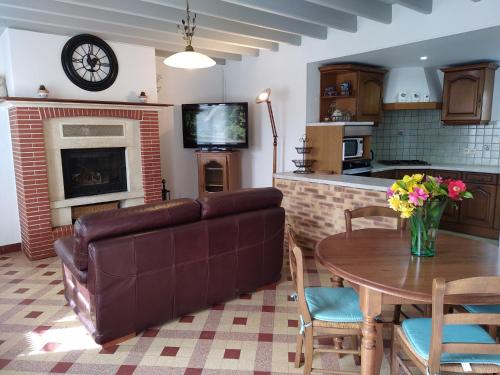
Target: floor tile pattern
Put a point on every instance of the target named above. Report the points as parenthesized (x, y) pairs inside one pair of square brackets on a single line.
[(251, 335)]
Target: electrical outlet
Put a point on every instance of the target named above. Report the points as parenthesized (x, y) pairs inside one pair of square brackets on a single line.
[(401, 132), (466, 151), (486, 148)]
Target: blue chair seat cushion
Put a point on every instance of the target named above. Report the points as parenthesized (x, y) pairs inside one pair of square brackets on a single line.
[(418, 332), (483, 309), (340, 305)]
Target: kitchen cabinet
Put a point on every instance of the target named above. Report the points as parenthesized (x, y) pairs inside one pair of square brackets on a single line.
[(480, 210), (468, 94), (370, 96), (363, 101), (390, 174), (479, 216)]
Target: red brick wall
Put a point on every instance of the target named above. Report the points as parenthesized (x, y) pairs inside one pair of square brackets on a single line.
[(316, 211), (30, 167)]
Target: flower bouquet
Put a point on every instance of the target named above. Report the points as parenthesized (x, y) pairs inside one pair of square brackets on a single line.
[(422, 200)]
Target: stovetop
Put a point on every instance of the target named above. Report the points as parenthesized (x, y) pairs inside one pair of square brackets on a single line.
[(403, 162)]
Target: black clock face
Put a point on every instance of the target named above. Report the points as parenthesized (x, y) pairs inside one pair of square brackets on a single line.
[(89, 62)]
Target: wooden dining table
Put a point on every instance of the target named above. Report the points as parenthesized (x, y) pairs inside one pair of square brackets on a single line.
[(378, 263)]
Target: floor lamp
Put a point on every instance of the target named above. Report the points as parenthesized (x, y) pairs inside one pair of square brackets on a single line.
[(265, 97)]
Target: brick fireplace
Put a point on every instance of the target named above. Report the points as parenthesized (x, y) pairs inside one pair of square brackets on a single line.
[(30, 122)]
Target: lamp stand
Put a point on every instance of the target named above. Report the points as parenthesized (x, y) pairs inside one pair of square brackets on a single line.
[(275, 136)]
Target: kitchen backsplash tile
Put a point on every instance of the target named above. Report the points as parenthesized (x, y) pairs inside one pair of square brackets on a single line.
[(419, 134)]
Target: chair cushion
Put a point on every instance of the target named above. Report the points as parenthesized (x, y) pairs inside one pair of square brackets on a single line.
[(483, 309), (418, 332), (339, 305)]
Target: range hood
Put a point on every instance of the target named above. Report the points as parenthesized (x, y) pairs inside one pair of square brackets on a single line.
[(413, 80)]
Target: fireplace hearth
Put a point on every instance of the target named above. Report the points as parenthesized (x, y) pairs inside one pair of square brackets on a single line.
[(93, 171)]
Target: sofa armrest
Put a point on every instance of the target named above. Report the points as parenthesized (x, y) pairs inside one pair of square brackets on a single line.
[(64, 249)]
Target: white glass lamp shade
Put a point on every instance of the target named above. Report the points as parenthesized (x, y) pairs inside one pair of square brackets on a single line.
[(264, 96), (189, 59)]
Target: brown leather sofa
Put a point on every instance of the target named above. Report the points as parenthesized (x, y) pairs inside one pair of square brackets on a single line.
[(130, 269)]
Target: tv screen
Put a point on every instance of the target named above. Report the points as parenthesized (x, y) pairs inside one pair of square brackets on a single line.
[(215, 125)]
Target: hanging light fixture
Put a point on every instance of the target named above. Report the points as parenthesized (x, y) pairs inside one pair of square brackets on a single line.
[(188, 59)]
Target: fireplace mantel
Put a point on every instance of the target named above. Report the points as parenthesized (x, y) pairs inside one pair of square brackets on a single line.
[(44, 215), (19, 101)]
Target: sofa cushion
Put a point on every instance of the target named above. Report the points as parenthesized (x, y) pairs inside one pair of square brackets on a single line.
[(129, 220), (64, 248), (230, 203)]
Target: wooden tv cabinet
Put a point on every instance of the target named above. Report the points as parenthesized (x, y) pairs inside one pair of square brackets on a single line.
[(218, 171)]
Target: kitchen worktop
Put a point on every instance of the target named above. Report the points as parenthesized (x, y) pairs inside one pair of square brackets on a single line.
[(359, 182), (377, 167)]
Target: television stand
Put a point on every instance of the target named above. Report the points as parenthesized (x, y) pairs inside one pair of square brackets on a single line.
[(218, 171)]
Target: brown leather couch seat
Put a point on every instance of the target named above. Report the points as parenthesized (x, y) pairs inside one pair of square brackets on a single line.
[(130, 269)]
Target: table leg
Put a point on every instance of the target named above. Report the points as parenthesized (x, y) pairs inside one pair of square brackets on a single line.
[(371, 343)]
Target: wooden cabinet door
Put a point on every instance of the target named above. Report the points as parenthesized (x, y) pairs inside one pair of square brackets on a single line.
[(451, 212), (496, 223), (390, 174), (370, 94), (480, 210), (212, 173), (462, 96)]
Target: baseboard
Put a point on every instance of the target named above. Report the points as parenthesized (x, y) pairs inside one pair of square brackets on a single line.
[(12, 248)]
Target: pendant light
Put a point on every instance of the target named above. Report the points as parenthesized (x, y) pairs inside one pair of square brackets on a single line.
[(188, 59)]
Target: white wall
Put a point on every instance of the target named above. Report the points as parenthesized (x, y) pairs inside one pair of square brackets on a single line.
[(178, 86), (9, 224), (36, 59), (29, 59), (285, 72)]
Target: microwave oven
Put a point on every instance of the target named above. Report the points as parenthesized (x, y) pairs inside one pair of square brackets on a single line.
[(352, 148)]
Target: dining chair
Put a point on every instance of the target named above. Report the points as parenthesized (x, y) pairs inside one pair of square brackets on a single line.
[(485, 309), (374, 211), (326, 311), (451, 342)]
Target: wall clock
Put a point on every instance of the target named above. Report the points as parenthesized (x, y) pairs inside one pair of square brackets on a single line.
[(89, 62)]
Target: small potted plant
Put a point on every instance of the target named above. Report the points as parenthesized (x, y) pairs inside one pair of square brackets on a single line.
[(143, 98), (422, 200), (43, 93)]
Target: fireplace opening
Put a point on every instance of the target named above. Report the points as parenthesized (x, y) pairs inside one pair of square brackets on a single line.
[(93, 171)]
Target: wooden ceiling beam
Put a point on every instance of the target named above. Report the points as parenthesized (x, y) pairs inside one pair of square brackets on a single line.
[(422, 6), (223, 10), (303, 10), (86, 24), (164, 13), (371, 9)]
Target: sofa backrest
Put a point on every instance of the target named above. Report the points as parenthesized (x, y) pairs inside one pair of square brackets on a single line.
[(231, 203), (129, 220)]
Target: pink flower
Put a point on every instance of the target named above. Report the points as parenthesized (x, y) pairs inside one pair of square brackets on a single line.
[(455, 188), (390, 193), (439, 179), (417, 196)]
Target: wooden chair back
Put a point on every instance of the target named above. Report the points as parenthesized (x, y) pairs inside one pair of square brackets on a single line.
[(292, 243), (372, 211), (297, 271), (475, 290)]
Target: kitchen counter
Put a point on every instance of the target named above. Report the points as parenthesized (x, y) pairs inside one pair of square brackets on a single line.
[(377, 167), (357, 182)]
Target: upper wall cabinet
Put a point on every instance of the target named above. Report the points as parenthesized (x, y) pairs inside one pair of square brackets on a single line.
[(355, 91), (468, 94)]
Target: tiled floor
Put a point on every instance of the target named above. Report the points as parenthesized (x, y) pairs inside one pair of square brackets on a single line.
[(254, 334)]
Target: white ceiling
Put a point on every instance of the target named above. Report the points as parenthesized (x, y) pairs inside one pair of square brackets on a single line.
[(479, 45), (226, 29)]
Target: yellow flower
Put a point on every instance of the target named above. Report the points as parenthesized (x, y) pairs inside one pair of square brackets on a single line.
[(418, 177), (397, 189), (395, 202), (406, 209)]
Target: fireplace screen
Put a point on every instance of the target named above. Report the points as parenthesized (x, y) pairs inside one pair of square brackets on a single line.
[(93, 171)]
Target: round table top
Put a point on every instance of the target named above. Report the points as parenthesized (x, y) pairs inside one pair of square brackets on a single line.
[(380, 259)]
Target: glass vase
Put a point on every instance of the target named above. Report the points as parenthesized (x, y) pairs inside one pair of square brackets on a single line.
[(424, 224)]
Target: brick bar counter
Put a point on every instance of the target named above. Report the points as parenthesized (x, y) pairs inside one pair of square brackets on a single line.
[(315, 203)]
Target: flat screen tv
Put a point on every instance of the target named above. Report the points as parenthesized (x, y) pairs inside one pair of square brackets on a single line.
[(215, 125)]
